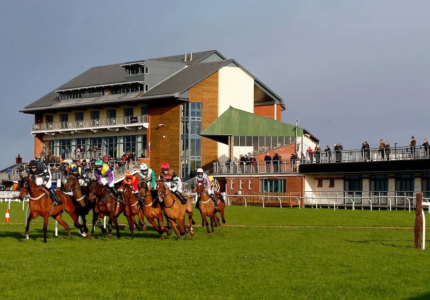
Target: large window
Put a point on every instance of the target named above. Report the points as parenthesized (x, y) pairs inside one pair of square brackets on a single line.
[(128, 112), (379, 189), (112, 146), (95, 118), (260, 144), (129, 144), (79, 119), (404, 188), (353, 189), (191, 146), (272, 185)]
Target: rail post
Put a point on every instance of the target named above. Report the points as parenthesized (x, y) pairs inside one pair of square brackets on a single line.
[(280, 202)]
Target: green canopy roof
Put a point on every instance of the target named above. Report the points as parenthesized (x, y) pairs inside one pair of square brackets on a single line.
[(236, 122)]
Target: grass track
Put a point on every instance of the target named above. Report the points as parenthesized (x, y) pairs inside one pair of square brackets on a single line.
[(268, 253)]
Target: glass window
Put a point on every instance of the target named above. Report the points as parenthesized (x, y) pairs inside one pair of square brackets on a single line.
[(268, 142), (249, 141), (111, 113), (261, 144), (255, 144), (129, 143), (275, 142), (242, 141), (236, 141), (272, 185), (331, 183), (426, 185), (95, 115), (144, 110), (196, 109), (320, 183), (128, 112), (379, 183), (79, 116), (49, 119), (405, 183), (64, 119)]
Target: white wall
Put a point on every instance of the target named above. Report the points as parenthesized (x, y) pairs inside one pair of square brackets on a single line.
[(236, 89)]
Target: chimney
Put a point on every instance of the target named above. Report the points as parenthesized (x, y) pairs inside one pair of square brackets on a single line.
[(19, 159), (185, 59)]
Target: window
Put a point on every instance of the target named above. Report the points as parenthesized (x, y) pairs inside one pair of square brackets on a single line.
[(320, 183), (79, 119), (232, 184), (146, 70), (331, 185), (111, 113), (353, 189), (144, 110), (128, 112), (241, 184), (64, 119), (250, 184), (95, 115), (129, 144), (146, 87), (273, 185), (49, 119), (426, 185)]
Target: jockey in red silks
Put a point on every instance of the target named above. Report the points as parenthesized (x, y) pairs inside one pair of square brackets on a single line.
[(172, 180)]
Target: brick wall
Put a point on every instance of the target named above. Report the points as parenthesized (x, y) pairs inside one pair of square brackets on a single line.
[(295, 185), (268, 111)]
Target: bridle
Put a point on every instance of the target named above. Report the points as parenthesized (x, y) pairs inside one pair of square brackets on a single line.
[(163, 197)]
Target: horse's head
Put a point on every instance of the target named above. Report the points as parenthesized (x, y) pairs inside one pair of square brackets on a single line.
[(95, 189), (71, 182), (143, 185), (162, 189), (200, 188), (23, 186)]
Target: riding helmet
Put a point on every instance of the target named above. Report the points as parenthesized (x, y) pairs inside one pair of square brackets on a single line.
[(98, 163), (200, 170), (73, 168), (165, 165), (32, 164), (128, 177), (143, 167)]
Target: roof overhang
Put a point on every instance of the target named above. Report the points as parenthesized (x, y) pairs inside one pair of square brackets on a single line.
[(101, 102), (220, 138), (100, 85)]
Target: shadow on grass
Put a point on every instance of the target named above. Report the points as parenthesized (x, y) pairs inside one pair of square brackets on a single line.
[(420, 297), (381, 242)]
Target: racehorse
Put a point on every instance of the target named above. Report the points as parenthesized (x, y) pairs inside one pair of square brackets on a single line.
[(174, 210), (105, 205), (84, 206), (130, 207), (41, 205), (219, 209), (206, 206), (152, 209)]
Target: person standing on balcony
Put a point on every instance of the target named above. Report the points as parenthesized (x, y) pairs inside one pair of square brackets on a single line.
[(248, 164), (387, 150), (253, 164), (327, 151), (242, 163), (317, 153), (276, 161), (268, 160), (337, 153), (9, 173), (412, 145), (310, 154), (293, 159), (426, 146), (366, 148), (382, 148), (228, 163)]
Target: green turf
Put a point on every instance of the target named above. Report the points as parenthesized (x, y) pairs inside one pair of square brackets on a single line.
[(268, 253)]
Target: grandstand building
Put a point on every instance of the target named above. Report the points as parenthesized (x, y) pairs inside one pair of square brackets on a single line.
[(161, 109)]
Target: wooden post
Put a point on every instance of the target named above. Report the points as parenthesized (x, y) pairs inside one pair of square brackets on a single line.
[(419, 222)]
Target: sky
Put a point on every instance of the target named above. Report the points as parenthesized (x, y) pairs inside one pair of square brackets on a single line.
[(350, 71)]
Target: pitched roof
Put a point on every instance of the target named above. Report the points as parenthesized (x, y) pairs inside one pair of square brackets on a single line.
[(187, 78), (236, 122), (108, 74)]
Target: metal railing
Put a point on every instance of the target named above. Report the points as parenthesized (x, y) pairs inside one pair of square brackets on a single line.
[(237, 167), (92, 123), (365, 155)]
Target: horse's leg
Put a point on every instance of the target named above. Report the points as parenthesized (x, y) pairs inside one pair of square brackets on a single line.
[(120, 208), (157, 228), (182, 225), (173, 224), (60, 220), (115, 222), (110, 226), (130, 219), (72, 213), (31, 216), (45, 225), (95, 217), (161, 224), (222, 215), (212, 221), (190, 218)]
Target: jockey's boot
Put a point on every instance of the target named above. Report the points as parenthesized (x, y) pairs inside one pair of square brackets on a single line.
[(180, 197), (55, 199), (117, 195), (213, 199), (221, 197), (197, 203)]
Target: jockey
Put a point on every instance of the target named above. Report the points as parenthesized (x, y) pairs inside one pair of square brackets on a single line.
[(203, 178), (103, 171), (131, 181), (146, 174), (80, 174), (41, 175), (216, 188), (173, 181)]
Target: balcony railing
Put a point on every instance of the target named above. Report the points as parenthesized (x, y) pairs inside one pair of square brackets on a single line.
[(367, 155), (236, 167), (89, 124)]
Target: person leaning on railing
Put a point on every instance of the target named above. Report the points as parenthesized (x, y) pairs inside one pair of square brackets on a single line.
[(426, 146), (317, 153), (412, 145), (387, 150), (382, 148)]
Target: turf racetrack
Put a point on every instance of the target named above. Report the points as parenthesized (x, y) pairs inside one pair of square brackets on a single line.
[(262, 253)]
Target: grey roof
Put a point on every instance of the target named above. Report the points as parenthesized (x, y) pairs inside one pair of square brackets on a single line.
[(105, 75), (187, 78)]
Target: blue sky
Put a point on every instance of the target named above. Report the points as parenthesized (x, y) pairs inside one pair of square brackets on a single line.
[(350, 71)]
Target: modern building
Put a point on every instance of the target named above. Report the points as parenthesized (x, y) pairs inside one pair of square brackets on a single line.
[(156, 108)]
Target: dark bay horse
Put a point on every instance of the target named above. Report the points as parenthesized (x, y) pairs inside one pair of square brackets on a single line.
[(206, 206), (174, 210), (105, 205), (152, 209), (82, 204), (41, 205), (131, 207), (219, 209)]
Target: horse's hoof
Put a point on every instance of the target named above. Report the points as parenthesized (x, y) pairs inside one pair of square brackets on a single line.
[(213, 230), (186, 230), (93, 234), (144, 227), (118, 238), (162, 237), (223, 221), (27, 236), (216, 225), (178, 238)]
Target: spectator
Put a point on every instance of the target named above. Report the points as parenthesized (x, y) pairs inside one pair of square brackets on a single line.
[(276, 162), (317, 153), (310, 154), (242, 163), (142, 155), (327, 151), (412, 145), (227, 163), (336, 152), (63, 154), (248, 164), (293, 159), (77, 152), (268, 160), (253, 164), (9, 173), (426, 146), (387, 149), (366, 151), (382, 148)]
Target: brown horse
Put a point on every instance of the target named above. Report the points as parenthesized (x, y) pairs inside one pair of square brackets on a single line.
[(219, 209), (105, 205), (131, 207), (174, 210), (152, 209), (41, 205), (83, 206), (206, 206)]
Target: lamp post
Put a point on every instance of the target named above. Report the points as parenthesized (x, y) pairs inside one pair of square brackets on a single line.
[(395, 151), (297, 124)]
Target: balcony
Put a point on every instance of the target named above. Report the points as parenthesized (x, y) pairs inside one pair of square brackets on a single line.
[(92, 125)]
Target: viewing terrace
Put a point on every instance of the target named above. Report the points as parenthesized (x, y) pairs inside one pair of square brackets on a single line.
[(112, 124)]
